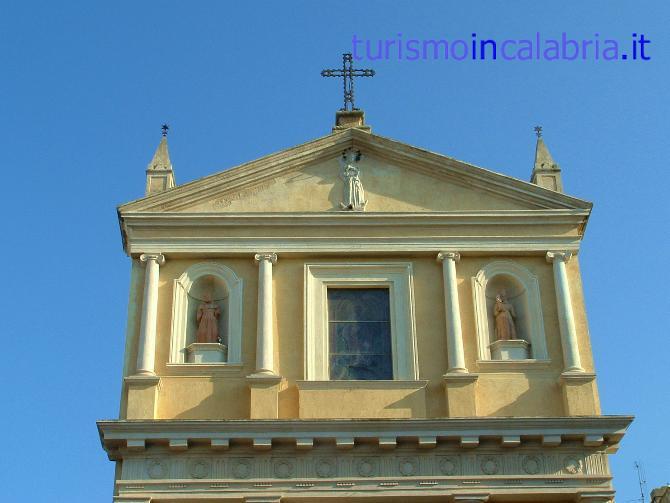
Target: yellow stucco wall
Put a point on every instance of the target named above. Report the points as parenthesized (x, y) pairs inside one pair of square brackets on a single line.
[(527, 391)]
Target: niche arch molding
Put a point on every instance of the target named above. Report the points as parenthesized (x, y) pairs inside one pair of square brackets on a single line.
[(180, 303), (532, 304)]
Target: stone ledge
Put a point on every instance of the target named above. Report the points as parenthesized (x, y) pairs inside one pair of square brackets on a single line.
[(577, 377), (203, 369), (206, 352), (263, 379), (142, 380), (340, 385), (460, 377), (513, 365)]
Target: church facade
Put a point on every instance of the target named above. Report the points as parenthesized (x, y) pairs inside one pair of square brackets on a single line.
[(357, 319)]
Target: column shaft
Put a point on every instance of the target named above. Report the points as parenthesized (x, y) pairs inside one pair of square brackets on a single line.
[(264, 333), (146, 353), (566, 317), (452, 312)]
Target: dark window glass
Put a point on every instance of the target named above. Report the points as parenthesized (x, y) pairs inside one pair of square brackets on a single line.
[(359, 334)]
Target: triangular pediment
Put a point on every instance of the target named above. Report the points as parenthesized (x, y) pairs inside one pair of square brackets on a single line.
[(396, 177)]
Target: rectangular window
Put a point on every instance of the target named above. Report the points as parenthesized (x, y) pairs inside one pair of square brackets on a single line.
[(391, 284), (359, 334)]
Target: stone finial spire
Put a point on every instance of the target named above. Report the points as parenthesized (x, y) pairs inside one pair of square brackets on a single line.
[(546, 173), (160, 176)]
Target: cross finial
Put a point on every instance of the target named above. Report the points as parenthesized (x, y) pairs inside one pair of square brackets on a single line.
[(348, 73), (164, 129), (538, 131)]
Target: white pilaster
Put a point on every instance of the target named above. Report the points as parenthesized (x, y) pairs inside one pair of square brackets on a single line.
[(264, 333), (566, 317), (146, 353), (452, 312)]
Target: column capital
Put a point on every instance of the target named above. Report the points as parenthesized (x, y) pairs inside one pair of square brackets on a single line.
[(563, 256), (272, 257), (158, 257), (450, 255)]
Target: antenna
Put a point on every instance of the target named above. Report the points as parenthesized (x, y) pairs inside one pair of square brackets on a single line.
[(641, 479)]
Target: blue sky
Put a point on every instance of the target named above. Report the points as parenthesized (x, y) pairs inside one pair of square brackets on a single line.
[(86, 86)]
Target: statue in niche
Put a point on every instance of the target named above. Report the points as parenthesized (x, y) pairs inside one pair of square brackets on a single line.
[(207, 316), (504, 315), (354, 196)]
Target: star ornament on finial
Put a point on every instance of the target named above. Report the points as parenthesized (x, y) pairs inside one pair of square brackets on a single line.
[(164, 129), (538, 131)]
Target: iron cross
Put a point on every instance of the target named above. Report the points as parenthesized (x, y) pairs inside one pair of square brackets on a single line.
[(348, 73), (538, 131)]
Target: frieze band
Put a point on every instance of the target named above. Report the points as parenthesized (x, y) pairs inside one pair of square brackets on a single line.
[(365, 465)]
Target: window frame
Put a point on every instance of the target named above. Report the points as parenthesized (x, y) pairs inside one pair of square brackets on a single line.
[(396, 276)]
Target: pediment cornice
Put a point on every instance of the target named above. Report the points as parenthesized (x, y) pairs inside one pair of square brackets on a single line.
[(420, 160)]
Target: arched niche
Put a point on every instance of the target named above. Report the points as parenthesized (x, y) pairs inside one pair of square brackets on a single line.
[(226, 290), (522, 291)]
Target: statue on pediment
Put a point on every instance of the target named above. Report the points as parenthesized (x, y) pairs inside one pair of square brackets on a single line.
[(504, 314), (354, 196), (207, 316)]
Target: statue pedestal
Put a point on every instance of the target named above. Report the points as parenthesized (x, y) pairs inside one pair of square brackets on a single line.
[(206, 352), (513, 349)]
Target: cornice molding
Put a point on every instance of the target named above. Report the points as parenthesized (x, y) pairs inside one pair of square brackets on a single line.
[(115, 434), (247, 174), (217, 233), (483, 217), (468, 174), (211, 246)]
